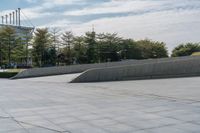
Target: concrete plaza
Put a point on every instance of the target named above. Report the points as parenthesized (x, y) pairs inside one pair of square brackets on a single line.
[(51, 105)]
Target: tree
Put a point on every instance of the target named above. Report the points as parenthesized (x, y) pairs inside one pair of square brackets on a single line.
[(13, 46), (67, 42), (152, 49), (50, 56), (2, 47), (90, 40), (9, 45), (23, 51), (130, 50), (80, 50), (186, 49), (109, 46), (41, 44), (55, 38)]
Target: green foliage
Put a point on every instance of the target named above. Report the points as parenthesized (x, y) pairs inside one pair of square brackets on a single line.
[(11, 48), (186, 49), (51, 48), (41, 45), (80, 50), (93, 48), (7, 74), (152, 49), (108, 47), (90, 40), (130, 50), (67, 42)]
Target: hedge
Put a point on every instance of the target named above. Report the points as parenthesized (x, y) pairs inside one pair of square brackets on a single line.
[(7, 74)]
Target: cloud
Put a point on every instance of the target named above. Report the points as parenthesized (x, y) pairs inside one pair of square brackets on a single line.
[(116, 6), (136, 7), (31, 1), (170, 26), (171, 21), (45, 8)]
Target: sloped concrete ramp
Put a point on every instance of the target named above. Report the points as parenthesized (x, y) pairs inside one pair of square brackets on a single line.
[(54, 79), (151, 69), (39, 72), (49, 71)]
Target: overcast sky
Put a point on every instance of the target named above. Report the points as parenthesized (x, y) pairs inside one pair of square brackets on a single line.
[(171, 21)]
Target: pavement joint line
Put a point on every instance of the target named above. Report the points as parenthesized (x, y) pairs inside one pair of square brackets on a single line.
[(146, 94), (182, 110), (173, 98), (56, 124), (43, 117), (168, 97), (153, 112), (13, 119), (182, 121), (194, 122), (87, 121), (2, 117), (40, 126), (101, 128), (167, 125), (21, 122), (66, 132), (108, 125)]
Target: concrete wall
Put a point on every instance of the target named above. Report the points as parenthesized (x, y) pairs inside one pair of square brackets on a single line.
[(38, 72), (146, 69)]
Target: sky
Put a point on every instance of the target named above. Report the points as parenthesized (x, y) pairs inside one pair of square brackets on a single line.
[(171, 21)]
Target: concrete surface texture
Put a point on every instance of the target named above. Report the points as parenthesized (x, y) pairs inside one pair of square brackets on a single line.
[(38, 72), (160, 68), (51, 105), (49, 71)]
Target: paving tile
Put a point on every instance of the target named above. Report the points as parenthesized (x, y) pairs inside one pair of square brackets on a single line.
[(17, 131), (89, 117), (8, 125), (60, 120), (187, 117), (120, 128), (167, 129), (154, 123), (188, 127), (50, 105), (40, 130), (103, 122), (82, 127)]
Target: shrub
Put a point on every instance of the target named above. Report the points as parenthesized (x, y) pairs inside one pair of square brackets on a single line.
[(7, 74)]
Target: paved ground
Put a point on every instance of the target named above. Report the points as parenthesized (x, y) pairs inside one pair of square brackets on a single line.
[(51, 105)]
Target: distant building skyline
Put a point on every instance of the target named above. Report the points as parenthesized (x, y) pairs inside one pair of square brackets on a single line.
[(170, 21)]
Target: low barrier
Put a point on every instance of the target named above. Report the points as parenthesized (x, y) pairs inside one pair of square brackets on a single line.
[(49, 71), (146, 69)]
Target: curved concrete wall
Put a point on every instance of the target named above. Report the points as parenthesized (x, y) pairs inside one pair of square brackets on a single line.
[(38, 72), (149, 69)]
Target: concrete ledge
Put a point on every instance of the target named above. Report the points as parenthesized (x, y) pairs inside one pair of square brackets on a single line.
[(147, 69), (49, 71)]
